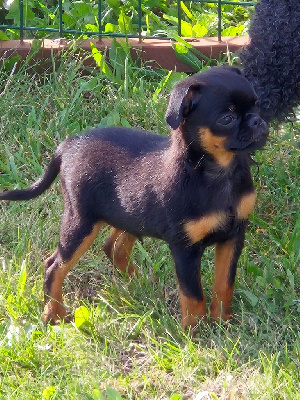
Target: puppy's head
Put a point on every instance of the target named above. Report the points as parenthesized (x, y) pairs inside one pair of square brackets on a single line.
[(216, 112)]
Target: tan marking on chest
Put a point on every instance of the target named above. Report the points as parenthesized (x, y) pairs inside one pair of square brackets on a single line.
[(197, 229), (215, 146), (246, 205)]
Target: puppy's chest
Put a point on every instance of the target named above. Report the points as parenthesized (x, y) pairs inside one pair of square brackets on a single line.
[(227, 207)]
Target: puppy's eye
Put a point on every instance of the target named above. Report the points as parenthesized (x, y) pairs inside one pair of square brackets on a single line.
[(226, 119)]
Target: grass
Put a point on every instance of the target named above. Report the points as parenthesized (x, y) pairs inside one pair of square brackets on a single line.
[(126, 340)]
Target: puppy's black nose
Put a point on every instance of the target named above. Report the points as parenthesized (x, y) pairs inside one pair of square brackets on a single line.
[(257, 123), (254, 121)]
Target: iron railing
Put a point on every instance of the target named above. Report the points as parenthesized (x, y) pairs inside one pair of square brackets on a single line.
[(100, 34)]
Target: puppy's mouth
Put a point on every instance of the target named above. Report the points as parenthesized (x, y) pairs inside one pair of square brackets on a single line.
[(254, 144)]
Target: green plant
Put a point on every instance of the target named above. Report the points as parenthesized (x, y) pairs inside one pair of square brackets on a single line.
[(159, 17)]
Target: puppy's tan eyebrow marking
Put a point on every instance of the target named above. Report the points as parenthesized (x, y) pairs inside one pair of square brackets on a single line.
[(215, 146)]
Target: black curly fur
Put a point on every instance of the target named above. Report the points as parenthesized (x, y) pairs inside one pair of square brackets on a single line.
[(272, 59)]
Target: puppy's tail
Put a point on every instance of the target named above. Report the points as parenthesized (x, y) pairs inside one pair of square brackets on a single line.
[(39, 186)]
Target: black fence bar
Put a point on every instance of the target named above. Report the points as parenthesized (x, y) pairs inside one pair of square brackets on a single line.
[(140, 20), (100, 20), (21, 21), (219, 20), (179, 17), (61, 31)]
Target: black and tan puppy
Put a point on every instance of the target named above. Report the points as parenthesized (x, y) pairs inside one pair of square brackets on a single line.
[(192, 189)]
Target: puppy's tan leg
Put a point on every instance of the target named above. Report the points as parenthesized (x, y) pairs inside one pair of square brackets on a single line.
[(226, 256), (118, 248), (192, 310), (73, 243)]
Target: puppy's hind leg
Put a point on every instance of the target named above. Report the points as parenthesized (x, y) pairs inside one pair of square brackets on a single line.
[(118, 248), (74, 241)]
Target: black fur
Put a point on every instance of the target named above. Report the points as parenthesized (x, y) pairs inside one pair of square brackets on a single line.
[(191, 189), (272, 59)]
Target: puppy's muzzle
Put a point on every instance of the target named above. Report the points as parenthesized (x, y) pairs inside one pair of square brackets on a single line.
[(259, 128), (253, 134), (255, 122)]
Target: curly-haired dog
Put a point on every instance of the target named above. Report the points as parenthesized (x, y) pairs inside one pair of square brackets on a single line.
[(192, 190), (272, 59)]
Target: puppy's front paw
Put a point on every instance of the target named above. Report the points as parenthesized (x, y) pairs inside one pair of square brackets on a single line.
[(54, 313), (220, 311)]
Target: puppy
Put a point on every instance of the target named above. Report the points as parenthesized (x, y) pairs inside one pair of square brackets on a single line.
[(192, 190)]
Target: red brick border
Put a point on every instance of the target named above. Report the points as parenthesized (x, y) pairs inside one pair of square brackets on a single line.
[(158, 52)]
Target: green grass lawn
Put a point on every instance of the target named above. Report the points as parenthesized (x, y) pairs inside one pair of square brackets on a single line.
[(126, 340)]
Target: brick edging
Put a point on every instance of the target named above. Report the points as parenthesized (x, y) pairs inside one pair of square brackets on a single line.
[(159, 53)]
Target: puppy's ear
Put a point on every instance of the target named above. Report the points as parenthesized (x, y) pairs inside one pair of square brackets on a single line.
[(184, 99), (234, 69)]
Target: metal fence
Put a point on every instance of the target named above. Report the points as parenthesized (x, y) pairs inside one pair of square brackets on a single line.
[(61, 31)]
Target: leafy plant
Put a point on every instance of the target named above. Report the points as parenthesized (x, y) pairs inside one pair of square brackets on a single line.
[(159, 17)]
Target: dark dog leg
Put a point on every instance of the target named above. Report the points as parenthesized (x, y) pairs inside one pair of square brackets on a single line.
[(192, 298), (118, 247), (226, 257), (74, 241)]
